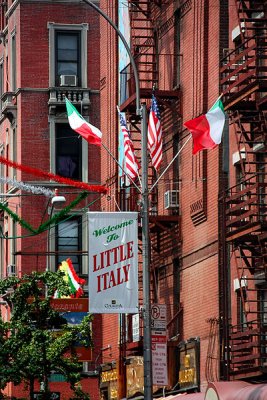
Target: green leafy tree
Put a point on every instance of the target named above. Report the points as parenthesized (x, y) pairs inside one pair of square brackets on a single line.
[(30, 349)]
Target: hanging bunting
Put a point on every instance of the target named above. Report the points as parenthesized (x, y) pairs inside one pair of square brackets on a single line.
[(56, 178), (54, 220), (28, 188)]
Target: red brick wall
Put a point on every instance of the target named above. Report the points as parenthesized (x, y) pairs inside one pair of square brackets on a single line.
[(33, 136), (199, 175)]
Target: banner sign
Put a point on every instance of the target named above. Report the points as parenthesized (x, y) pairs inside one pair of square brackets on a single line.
[(113, 262)]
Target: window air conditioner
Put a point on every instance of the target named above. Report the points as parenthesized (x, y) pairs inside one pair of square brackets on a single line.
[(11, 270), (68, 80), (171, 199)]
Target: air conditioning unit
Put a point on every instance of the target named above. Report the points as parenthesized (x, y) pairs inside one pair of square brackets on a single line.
[(171, 198), (11, 270), (68, 80)]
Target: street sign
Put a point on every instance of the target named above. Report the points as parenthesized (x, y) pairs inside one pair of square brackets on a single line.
[(158, 321), (159, 344)]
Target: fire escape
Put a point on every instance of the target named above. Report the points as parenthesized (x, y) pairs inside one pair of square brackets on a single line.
[(244, 206), (145, 20)]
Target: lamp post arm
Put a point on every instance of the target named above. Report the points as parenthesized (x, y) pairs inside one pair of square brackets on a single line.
[(133, 64)]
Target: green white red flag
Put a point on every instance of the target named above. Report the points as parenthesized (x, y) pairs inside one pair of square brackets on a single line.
[(89, 132), (207, 129), (75, 283)]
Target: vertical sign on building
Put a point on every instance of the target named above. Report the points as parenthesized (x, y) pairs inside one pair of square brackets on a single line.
[(113, 262), (159, 344)]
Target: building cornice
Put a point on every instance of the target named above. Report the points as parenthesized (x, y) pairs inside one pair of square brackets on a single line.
[(17, 2)]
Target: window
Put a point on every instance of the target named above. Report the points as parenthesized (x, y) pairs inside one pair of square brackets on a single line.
[(177, 49), (66, 147), (241, 312), (68, 152), (69, 240), (13, 63), (1, 80), (67, 52), (67, 55)]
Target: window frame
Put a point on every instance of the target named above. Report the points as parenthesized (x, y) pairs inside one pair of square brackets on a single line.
[(83, 270), (78, 222), (68, 28), (59, 145), (53, 121), (77, 35), (13, 64)]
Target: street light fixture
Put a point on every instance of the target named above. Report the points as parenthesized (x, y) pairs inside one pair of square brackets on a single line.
[(56, 199), (140, 111)]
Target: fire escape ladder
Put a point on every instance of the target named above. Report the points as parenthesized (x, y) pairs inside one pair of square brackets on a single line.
[(143, 42)]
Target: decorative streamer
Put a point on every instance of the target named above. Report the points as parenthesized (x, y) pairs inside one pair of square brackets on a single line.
[(55, 219), (56, 178), (16, 218), (61, 214), (28, 188)]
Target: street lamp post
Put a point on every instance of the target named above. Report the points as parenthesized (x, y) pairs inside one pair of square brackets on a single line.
[(141, 111)]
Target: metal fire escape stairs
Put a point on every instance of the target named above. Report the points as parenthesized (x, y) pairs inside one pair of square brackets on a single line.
[(163, 229), (244, 85)]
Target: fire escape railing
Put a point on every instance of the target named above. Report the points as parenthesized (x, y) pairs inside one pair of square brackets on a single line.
[(246, 206), (244, 71)]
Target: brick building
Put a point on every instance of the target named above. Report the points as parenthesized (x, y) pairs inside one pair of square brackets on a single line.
[(208, 212), (48, 50)]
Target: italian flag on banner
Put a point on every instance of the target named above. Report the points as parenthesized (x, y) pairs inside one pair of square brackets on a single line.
[(89, 132), (72, 279), (207, 129)]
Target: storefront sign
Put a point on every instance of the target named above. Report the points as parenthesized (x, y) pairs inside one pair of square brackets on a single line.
[(135, 375), (62, 305), (109, 383), (41, 396), (113, 262), (189, 364), (107, 376)]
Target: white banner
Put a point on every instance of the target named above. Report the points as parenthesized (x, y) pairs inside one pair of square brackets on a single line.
[(113, 262)]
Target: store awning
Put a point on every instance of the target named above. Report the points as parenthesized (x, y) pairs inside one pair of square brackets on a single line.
[(185, 396), (238, 390)]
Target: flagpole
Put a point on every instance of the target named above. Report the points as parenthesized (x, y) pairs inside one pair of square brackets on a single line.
[(120, 165), (168, 166), (123, 170), (140, 111)]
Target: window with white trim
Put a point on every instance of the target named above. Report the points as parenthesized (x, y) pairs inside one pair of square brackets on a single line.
[(69, 239), (67, 52), (68, 152)]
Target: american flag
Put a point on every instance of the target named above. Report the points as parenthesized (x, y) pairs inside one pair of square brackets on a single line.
[(130, 162), (155, 134)]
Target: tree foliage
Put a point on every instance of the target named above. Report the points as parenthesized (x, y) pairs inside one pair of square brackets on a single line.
[(30, 346)]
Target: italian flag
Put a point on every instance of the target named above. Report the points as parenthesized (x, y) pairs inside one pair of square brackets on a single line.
[(89, 132), (71, 278), (207, 129)]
